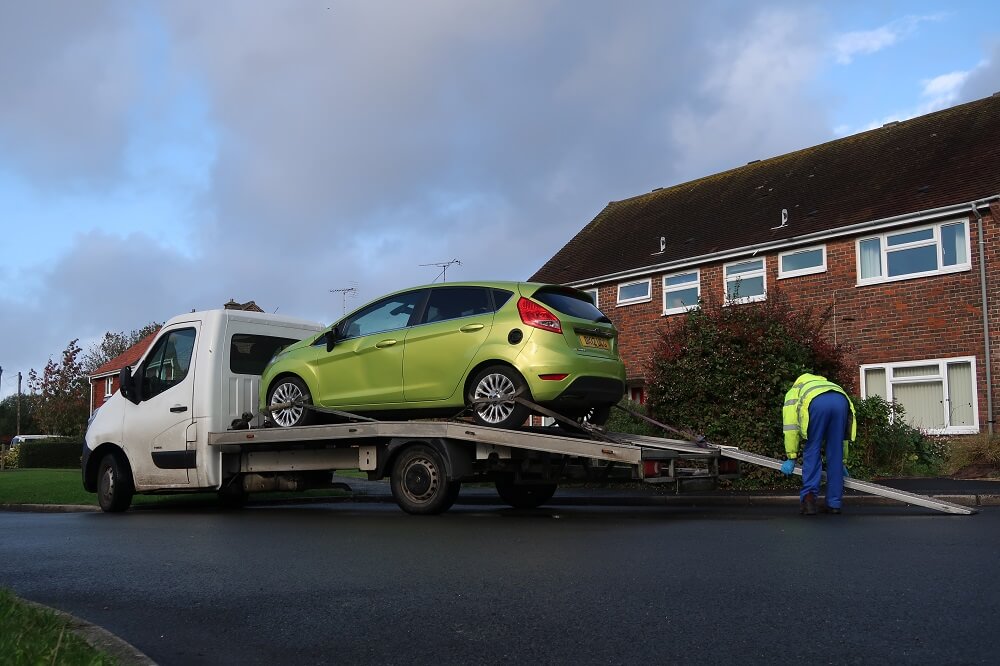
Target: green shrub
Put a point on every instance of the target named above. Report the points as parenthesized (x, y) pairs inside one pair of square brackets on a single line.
[(987, 450), (10, 457), (50, 453), (722, 371), (621, 421), (888, 446)]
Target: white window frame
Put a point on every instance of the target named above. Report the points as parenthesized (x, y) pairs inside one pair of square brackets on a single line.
[(782, 274), (935, 240), (638, 299), (670, 289), (108, 387), (762, 272), (942, 376), (596, 294)]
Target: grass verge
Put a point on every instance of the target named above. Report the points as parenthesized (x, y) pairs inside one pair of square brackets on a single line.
[(64, 486), (32, 636)]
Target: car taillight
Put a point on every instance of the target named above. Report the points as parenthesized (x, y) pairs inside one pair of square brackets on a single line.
[(533, 314)]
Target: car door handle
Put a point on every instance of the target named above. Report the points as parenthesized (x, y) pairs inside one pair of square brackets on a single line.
[(177, 409), (382, 344), (471, 328)]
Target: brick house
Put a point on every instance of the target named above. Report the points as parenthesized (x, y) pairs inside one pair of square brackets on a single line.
[(895, 229), (104, 381)]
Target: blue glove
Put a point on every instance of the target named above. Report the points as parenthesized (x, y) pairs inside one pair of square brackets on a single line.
[(847, 474), (788, 467)]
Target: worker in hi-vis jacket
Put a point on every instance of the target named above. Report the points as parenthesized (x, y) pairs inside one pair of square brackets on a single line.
[(817, 411)]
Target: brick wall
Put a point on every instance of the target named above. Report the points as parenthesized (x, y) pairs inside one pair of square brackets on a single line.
[(98, 386), (919, 318)]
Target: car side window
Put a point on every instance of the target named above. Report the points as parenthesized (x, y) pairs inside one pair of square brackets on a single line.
[(168, 364), (389, 314), (455, 302)]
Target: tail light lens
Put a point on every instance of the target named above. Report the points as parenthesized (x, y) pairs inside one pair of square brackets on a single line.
[(535, 315)]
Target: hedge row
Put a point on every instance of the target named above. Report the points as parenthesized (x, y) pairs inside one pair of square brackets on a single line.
[(50, 453)]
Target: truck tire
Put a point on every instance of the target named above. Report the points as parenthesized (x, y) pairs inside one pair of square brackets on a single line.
[(494, 383), (289, 389), (420, 483), (524, 495), (231, 495), (114, 484)]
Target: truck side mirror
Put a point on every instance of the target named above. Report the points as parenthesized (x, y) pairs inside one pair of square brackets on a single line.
[(127, 385)]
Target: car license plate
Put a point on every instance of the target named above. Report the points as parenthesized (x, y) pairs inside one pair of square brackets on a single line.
[(595, 342)]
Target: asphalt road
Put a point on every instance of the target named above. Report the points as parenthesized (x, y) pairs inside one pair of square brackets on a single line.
[(365, 583)]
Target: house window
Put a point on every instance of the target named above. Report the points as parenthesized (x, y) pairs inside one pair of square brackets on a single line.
[(745, 281), (109, 387), (933, 250), (593, 296), (938, 396), (680, 292), (802, 262), (637, 394), (635, 292)]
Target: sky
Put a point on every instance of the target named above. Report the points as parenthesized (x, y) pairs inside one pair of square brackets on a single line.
[(159, 157)]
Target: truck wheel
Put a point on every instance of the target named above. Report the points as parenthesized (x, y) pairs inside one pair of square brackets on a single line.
[(290, 389), (232, 495), (524, 495), (496, 386), (420, 482), (114, 484)]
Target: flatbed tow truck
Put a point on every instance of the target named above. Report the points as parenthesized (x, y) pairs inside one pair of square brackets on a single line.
[(183, 422)]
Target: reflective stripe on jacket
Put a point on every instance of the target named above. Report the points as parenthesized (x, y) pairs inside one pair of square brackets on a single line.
[(795, 412)]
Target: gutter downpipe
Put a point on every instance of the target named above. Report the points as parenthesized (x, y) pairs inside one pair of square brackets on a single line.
[(986, 316)]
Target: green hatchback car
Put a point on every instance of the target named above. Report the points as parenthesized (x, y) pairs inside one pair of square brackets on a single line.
[(439, 349)]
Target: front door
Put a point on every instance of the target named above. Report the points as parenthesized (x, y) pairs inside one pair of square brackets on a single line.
[(160, 426)]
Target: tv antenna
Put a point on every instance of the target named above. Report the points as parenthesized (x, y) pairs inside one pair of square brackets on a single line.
[(344, 292), (443, 265)]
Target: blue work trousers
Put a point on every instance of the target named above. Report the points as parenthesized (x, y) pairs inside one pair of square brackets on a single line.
[(828, 414)]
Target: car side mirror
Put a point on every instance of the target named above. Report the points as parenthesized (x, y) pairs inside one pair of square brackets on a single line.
[(127, 386), (331, 338)]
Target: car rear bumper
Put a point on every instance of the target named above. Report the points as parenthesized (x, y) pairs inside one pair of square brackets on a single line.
[(589, 391)]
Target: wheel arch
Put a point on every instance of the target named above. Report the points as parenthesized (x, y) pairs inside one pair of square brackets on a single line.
[(93, 464), (482, 365), (457, 459)]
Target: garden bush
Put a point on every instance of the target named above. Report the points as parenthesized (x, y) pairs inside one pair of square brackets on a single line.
[(50, 453), (888, 446)]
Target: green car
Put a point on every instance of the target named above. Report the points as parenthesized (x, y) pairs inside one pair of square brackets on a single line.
[(438, 349)]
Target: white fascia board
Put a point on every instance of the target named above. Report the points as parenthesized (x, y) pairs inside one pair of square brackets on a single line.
[(854, 229)]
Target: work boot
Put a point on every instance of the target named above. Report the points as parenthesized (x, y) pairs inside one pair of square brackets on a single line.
[(808, 506)]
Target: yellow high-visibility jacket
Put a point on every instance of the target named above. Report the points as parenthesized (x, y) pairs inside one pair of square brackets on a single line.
[(795, 413)]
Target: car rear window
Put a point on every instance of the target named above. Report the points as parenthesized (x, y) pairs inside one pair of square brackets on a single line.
[(573, 303)]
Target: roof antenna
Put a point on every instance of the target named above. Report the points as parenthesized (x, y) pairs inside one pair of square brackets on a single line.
[(443, 265), (344, 292), (784, 219)]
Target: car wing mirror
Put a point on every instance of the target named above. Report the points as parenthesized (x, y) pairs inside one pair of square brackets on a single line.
[(127, 385), (331, 338)]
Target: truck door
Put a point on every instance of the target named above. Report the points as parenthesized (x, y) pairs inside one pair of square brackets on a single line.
[(158, 428)]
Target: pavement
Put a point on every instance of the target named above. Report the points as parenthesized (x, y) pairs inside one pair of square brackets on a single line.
[(966, 492)]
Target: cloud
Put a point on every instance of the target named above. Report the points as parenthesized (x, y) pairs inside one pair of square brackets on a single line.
[(984, 79), (848, 45)]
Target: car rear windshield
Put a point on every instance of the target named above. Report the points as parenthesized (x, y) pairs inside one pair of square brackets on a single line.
[(573, 303)]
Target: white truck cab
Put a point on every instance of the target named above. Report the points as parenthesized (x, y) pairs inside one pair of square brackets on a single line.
[(200, 374)]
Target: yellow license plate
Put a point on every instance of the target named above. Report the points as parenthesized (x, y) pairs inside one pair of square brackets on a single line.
[(595, 342)]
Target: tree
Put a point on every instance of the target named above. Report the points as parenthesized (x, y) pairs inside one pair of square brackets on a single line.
[(8, 415), (114, 344), (723, 370), (60, 394)]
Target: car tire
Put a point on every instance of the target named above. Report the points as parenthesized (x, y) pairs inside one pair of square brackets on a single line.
[(524, 495), (420, 483), (493, 383), (115, 486), (290, 389)]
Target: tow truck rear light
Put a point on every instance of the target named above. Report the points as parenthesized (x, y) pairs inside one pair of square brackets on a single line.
[(535, 315)]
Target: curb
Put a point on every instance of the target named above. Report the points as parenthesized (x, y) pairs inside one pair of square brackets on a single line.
[(50, 508), (98, 638)]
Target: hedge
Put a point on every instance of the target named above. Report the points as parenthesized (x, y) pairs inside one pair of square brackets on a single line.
[(50, 453)]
